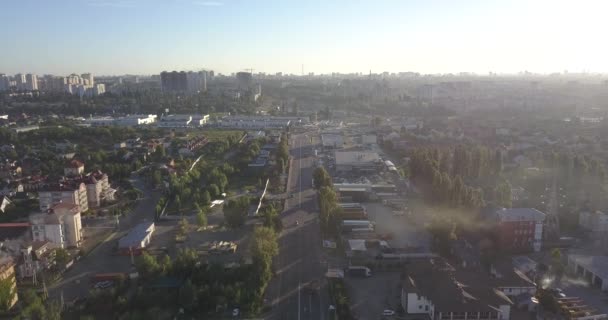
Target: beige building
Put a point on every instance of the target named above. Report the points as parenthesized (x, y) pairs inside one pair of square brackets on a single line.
[(98, 189), (7, 271), (61, 227), (74, 193), (74, 168)]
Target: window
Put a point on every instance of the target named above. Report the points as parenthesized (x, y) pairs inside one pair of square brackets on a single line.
[(426, 308), (510, 290), (419, 306)]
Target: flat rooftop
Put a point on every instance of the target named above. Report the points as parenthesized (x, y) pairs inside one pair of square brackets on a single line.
[(598, 265), (356, 157)]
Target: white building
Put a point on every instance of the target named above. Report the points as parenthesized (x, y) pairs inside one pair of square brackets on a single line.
[(136, 120), (138, 238), (332, 140), (87, 79), (368, 139), (594, 269), (61, 227), (98, 89), (254, 122), (55, 194), (356, 160), (175, 121), (594, 221), (31, 82), (200, 119), (196, 81)]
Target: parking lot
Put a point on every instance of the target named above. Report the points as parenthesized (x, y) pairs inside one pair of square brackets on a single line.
[(406, 233), (370, 296)]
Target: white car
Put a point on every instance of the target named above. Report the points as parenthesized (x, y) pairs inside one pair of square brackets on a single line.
[(235, 312), (388, 313)]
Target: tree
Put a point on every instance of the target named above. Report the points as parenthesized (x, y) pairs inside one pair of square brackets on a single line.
[(557, 266), (205, 198), (8, 291), (62, 257), (235, 211), (146, 265), (214, 190), (156, 178), (187, 295), (321, 178), (498, 162), (201, 219)]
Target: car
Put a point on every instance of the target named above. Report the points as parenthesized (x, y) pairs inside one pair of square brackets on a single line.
[(103, 284), (388, 312), (235, 312)]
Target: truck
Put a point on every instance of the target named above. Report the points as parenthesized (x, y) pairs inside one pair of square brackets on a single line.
[(349, 225), (359, 271)]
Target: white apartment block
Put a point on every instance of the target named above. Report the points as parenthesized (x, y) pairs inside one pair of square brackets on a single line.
[(62, 226), (55, 194)]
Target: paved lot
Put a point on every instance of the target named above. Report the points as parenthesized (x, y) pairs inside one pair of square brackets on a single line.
[(405, 232), (370, 296)]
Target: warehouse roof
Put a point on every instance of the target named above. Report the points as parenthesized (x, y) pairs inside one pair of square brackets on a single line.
[(356, 157), (136, 235)]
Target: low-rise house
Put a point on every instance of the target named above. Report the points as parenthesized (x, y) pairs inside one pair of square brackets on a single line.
[(435, 289), (11, 188), (34, 258), (61, 226), (74, 168)]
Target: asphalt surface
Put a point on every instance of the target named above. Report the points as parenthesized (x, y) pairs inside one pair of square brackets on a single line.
[(300, 255), (75, 282)]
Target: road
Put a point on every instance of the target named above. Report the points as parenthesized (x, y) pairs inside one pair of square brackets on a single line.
[(75, 282), (298, 262)]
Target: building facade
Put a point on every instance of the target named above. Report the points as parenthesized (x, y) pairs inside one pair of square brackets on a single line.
[(520, 229), (61, 226), (7, 271), (73, 193)]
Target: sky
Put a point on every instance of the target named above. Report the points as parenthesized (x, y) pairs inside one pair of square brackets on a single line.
[(109, 37)]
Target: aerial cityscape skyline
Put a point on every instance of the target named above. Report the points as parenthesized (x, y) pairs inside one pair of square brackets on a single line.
[(125, 37)]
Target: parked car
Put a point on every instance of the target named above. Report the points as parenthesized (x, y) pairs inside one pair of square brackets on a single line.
[(388, 312)]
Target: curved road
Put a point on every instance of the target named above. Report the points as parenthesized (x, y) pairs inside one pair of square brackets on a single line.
[(75, 282)]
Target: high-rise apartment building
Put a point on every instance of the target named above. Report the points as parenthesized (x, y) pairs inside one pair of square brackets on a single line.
[(174, 81), (31, 82), (244, 80), (88, 79), (5, 82), (20, 81)]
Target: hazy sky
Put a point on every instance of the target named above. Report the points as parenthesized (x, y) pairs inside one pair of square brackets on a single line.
[(148, 36)]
